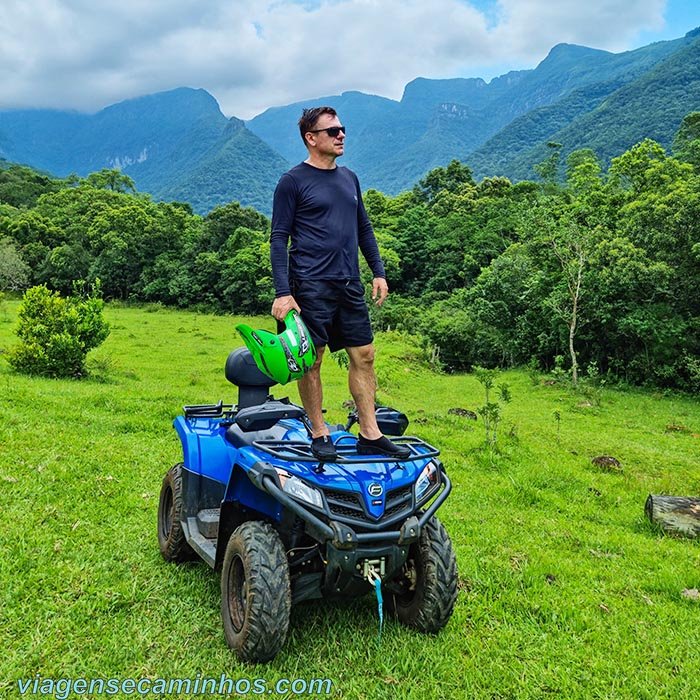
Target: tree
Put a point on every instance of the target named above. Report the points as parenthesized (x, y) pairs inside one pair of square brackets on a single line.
[(125, 242), (451, 179), (497, 321), (548, 169), (223, 221), (34, 237), (375, 204), (686, 144), (494, 187), (555, 229), (570, 249), (14, 272), (111, 179), (63, 265), (635, 170), (246, 276), (583, 172), (634, 330), (21, 186), (659, 209), (414, 230)]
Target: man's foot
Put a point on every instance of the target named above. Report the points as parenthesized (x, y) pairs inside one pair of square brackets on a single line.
[(381, 446), (323, 449)]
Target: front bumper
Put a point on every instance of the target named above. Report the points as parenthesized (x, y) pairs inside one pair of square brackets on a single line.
[(341, 535)]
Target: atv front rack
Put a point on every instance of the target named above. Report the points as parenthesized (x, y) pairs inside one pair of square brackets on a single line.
[(298, 451)]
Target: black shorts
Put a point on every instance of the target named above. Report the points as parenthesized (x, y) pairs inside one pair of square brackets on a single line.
[(334, 311)]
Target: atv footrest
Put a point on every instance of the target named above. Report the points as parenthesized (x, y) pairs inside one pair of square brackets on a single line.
[(346, 447), (208, 522), (205, 547)]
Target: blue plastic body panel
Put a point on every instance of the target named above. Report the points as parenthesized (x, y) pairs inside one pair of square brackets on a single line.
[(205, 449), (207, 452), (242, 490), (355, 478)]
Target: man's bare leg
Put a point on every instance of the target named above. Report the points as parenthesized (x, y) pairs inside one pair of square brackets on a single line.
[(363, 387), (311, 393)]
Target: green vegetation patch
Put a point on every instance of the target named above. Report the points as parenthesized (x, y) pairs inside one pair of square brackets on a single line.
[(565, 589)]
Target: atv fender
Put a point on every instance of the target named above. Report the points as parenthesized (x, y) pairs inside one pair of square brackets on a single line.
[(205, 449), (243, 501)]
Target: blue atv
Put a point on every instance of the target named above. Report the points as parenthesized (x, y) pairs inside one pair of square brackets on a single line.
[(251, 500)]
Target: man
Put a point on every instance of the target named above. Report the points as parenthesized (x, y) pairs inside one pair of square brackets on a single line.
[(318, 205)]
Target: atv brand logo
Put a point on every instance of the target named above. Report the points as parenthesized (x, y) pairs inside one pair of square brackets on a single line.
[(256, 338), (375, 489)]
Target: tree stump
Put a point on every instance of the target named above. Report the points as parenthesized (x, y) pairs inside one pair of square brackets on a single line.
[(678, 515)]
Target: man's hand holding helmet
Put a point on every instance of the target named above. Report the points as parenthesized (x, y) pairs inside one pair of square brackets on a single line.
[(283, 305)]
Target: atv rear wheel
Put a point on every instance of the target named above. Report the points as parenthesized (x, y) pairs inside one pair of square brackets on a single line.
[(171, 538), (255, 592), (424, 594)]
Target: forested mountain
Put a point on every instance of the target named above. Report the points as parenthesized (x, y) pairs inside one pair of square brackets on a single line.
[(606, 116), (438, 120), (178, 144), (277, 126), (236, 159), (172, 144)]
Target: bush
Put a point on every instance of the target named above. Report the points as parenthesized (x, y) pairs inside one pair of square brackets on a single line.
[(452, 325), (56, 332), (398, 313)]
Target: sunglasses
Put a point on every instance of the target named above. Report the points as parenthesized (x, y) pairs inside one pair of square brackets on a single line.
[(332, 131)]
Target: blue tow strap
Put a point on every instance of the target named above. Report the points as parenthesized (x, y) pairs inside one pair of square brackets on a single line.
[(380, 605)]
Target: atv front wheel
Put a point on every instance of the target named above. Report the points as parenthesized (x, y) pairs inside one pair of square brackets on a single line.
[(255, 592), (171, 538), (424, 594)]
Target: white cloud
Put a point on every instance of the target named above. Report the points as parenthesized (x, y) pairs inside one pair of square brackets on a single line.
[(251, 54), (530, 27)]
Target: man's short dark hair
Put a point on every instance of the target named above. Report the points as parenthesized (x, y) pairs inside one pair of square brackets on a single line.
[(309, 117)]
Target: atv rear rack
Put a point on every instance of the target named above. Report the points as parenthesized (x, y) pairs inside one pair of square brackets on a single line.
[(209, 410), (298, 451)]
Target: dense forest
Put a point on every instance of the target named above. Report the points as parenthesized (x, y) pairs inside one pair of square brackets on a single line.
[(589, 269)]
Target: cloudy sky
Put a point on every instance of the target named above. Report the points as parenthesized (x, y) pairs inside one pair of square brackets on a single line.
[(253, 54)]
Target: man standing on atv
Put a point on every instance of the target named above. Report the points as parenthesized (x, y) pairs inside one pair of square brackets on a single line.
[(318, 205)]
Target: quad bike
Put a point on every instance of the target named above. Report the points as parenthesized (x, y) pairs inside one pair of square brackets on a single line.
[(251, 500)]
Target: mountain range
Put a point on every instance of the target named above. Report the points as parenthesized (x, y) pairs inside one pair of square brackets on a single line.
[(179, 145), (176, 145)]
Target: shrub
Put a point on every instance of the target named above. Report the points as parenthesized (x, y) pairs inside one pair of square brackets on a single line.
[(56, 332), (397, 313), (461, 339)]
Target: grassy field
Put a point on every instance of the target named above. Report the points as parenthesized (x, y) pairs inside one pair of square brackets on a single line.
[(565, 590)]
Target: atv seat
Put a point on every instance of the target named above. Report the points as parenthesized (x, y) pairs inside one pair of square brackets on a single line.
[(261, 422), (265, 416), (241, 438), (252, 384)]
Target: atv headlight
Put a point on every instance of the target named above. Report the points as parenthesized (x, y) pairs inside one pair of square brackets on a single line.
[(299, 489), (427, 479)]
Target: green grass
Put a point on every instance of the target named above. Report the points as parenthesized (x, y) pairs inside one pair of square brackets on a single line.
[(565, 590)]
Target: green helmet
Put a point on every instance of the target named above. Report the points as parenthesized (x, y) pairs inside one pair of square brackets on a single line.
[(284, 357)]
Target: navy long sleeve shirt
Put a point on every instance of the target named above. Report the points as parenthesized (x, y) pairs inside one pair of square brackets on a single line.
[(322, 212)]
